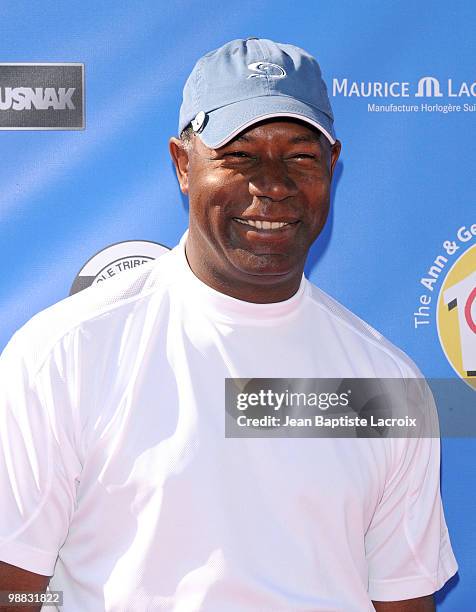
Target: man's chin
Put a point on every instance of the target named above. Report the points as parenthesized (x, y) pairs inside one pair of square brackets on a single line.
[(267, 267)]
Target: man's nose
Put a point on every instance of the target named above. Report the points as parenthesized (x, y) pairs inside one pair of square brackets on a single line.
[(272, 181)]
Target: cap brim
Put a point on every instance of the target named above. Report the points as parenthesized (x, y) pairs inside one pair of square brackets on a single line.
[(223, 124)]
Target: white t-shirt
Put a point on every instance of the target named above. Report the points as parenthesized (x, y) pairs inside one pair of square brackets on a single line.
[(117, 479)]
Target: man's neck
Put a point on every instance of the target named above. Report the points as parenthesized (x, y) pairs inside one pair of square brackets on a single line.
[(260, 289)]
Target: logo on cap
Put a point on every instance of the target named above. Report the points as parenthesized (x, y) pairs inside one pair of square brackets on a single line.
[(199, 122), (266, 70)]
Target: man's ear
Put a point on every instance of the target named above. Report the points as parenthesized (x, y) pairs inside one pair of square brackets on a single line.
[(180, 159), (335, 152)]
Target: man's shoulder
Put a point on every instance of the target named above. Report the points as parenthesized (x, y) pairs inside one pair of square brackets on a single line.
[(350, 325), (105, 305)]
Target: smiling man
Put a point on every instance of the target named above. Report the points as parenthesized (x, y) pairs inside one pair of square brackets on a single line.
[(116, 478), (257, 205)]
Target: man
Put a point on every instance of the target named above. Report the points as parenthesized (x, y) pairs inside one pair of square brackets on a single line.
[(116, 477)]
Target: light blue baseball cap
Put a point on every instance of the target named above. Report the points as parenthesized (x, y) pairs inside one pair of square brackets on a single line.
[(252, 80)]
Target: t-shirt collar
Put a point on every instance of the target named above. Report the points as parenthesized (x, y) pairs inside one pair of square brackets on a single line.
[(228, 307)]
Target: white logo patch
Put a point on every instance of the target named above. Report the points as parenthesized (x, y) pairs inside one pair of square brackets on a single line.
[(428, 87), (266, 69)]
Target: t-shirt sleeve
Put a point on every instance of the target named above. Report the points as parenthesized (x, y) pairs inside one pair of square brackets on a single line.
[(407, 544), (39, 466)]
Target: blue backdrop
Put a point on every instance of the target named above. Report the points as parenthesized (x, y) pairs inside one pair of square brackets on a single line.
[(404, 184)]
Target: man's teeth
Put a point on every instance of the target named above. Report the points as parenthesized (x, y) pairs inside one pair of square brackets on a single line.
[(266, 225)]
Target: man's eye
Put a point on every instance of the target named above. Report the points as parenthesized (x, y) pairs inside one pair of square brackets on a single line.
[(238, 155), (303, 156)]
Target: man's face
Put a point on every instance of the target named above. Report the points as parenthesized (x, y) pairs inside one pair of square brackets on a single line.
[(256, 206)]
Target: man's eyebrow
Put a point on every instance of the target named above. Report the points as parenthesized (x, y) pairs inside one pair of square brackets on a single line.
[(305, 138), (241, 138)]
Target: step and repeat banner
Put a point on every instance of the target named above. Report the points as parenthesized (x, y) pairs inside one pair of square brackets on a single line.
[(90, 93)]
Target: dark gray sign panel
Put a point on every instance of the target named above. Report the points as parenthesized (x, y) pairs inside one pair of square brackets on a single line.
[(41, 96)]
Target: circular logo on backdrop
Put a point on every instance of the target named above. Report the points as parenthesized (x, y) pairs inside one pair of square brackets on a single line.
[(456, 316), (114, 259)]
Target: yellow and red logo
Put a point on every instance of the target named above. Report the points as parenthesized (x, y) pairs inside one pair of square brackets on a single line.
[(456, 316)]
